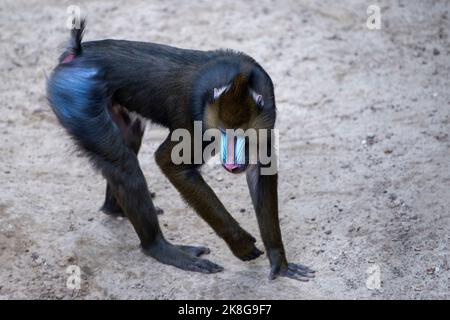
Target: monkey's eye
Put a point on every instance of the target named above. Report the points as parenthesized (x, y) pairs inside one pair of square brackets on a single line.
[(258, 99)]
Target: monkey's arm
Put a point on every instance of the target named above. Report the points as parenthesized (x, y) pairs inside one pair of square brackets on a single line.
[(189, 182), (264, 194)]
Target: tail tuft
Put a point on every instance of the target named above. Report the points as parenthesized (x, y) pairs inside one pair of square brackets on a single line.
[(76, 36)]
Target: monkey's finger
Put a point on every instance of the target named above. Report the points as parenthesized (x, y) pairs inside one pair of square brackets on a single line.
[(301, 267), (300, 273), (295, 275), (253, 255), (205, 266)]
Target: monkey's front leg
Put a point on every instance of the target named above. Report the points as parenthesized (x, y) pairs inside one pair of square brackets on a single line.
[(188, 181), (264, 194)]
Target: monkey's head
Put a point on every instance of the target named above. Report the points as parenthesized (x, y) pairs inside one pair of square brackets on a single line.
[(235, 109)]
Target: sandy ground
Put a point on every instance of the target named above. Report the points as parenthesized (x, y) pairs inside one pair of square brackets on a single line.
[(364, 118)]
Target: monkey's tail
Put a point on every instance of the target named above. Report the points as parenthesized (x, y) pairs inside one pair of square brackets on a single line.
[(76, 35), (78, 96), (74, 48)]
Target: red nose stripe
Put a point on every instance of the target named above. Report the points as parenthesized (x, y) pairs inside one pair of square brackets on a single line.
[(230, 150)]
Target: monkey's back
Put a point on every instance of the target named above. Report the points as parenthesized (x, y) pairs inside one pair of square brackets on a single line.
[(152, 79)]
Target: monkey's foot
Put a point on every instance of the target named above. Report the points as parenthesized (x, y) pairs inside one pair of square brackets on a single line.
[(183, 257), (293, 271)]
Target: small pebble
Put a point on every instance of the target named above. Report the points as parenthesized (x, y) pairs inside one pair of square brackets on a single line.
[(431, 270), (370, 139)]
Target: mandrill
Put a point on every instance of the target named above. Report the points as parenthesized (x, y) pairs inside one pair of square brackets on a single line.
[(97, 89)]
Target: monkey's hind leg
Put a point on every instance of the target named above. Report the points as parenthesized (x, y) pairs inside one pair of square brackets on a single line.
[(78, 97), (132, 128), (132, 132)]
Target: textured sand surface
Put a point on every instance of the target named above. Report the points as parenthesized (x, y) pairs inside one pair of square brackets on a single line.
[(364, 119)]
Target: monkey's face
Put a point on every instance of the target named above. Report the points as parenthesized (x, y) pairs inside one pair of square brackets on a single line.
[(233, 112), (233, 152)]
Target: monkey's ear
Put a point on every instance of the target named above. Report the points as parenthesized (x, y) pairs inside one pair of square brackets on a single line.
[(258, 99), (219, 91)]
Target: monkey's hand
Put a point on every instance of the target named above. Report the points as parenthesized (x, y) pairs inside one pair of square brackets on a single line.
[(242, 244), (282, 268), (293, 271)]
